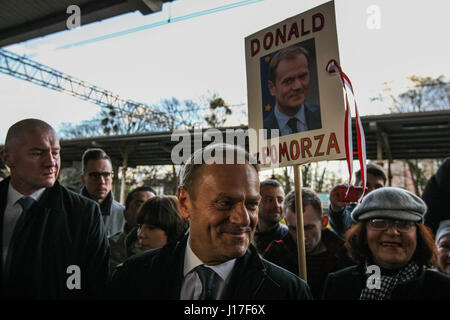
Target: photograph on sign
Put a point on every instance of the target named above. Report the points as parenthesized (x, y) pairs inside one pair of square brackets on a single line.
[(283, 71), (295, 105)]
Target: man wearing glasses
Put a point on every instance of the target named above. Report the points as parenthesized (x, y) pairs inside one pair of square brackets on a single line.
[(97, 177)]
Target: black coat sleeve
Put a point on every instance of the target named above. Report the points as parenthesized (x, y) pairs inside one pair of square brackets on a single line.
[(436, 196), (95, 269)]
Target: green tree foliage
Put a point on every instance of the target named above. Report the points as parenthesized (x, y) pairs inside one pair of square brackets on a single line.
[(424, 94), (219, 112), (169, 114)]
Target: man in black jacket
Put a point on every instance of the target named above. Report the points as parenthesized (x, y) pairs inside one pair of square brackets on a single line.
[(325, 251), (270, 214), (436, 196), (216, 260), (97, 176), (53, 240)]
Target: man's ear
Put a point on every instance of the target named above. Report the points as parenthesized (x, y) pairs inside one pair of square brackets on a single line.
[(184, 201), (324, 222), (271, 87), (83, 179), (7, 158)]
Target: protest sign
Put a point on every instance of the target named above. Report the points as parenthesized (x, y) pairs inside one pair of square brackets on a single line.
[(290, 92)]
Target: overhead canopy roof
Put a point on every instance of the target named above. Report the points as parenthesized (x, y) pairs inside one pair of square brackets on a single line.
[(421, 135), (24, 20), (418, 135)]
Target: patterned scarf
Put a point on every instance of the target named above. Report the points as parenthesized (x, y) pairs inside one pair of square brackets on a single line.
[(388, 283)]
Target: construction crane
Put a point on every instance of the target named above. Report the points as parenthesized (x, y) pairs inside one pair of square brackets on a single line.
[(26, 69), (35, 72)]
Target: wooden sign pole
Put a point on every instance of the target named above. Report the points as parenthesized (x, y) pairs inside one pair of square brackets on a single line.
[(300, 231)]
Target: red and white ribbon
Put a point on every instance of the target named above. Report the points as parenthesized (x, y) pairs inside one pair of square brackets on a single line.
[(334, 68)]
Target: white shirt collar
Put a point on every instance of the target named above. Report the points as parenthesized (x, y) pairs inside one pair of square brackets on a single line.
[(191, 261), (14, 195)]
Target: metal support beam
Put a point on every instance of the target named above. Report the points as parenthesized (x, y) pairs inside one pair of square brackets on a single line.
[(387, 147), (124, 152)]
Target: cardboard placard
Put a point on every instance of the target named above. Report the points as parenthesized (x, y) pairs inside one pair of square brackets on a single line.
[(297, 86)]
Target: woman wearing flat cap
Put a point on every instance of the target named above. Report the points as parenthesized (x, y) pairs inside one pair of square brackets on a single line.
[(394, 250)]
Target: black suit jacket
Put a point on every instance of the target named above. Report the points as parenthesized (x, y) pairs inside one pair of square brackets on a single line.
[(158, 275), (62, 229), (312, 114)]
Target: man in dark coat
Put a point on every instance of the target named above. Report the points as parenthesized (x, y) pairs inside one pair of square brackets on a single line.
[(289, 77), (436, 196), (53, 240), (216, 260), (325, 251), (97, 178), (270, 214)]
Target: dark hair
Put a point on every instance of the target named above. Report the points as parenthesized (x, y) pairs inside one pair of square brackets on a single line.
[(136, 190), (196, 161), (93, 154), (374, 170), (309, 198), (269, 183), (163, 212), (356, 242), (286, 53)]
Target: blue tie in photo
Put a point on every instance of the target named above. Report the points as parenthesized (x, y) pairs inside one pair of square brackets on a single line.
[(292, 123)]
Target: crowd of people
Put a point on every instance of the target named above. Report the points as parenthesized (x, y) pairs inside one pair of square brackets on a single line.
[(225, 235)]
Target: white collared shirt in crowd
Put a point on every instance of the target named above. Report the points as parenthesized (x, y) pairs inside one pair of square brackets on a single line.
[(191, 286)]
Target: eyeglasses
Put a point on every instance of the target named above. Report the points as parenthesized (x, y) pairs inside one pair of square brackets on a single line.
[(383, 224), (97, 175)]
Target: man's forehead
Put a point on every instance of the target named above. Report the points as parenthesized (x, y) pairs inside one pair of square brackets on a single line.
[(238, 194), (225, 174), (230, 172), (286, 64), (98, 163), (37, 136), (265, 190)]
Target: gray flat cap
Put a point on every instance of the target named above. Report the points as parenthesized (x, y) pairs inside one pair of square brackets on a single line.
[(443, 230), (391, 203)]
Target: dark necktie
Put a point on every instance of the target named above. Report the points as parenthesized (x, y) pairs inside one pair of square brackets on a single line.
[(207, 276), (26, 203), (292, 123)]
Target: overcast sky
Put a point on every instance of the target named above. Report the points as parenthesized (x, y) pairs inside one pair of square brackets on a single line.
[(190, 56)]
